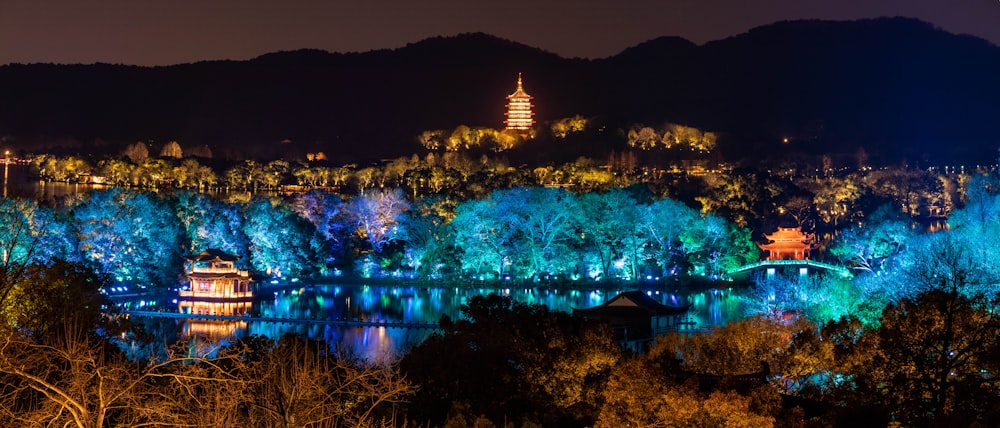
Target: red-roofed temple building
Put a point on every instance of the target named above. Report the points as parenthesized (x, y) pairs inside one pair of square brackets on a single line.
[(789, 243)]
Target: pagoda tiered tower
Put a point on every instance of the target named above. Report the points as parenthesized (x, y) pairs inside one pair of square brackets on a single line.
[(519, 115)]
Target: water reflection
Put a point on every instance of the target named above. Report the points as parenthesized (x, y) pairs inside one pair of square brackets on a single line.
[(214, 329), (18, 184), (396, 305)]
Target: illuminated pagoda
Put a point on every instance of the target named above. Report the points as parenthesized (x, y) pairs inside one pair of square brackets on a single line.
[(212, 274), (789, 254), (789, 243), (519, 115)]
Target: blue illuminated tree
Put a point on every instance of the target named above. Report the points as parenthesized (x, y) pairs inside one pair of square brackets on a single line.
[(528, 232), (820, 298), (57, 236), (328, 213), (134, 238), (209, 223), (376, 214), (281, 243), (663, 222), (29, 235)]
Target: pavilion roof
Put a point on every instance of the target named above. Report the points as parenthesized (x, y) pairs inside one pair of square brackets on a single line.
[(788, 245), (216, 275), (789, 234), (632, 302), (212, 254)]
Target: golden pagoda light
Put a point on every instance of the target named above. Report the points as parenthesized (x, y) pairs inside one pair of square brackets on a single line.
[(519, 115)]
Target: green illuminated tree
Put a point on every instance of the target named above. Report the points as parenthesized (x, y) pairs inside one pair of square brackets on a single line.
[(47, 298), (484, 239), (609, 223), (429, 238), (19, 242), (542, 220), (663, 221)]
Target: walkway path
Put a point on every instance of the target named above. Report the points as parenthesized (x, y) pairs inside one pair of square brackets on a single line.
[(335, 322)]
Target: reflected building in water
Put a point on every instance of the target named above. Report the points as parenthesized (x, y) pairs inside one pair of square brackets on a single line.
[(214, 328)]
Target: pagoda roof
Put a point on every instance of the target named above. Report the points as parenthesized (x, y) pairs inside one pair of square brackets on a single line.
[(212, 254), (789, 234), (788, 245), (632, 302), (519, 92)]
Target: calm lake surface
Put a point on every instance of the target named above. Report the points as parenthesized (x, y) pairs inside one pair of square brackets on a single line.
[(17, 184), (394, 304)]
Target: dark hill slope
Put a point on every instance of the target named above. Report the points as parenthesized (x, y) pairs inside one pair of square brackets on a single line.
[(893, 86)]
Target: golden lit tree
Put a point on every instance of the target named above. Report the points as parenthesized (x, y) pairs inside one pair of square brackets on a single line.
[(568, 125), (171, 150), (136, 152)]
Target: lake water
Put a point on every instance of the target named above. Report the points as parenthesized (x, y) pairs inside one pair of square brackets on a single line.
[(393, 304), (18, 184)]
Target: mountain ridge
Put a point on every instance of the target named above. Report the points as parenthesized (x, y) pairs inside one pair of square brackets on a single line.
[(900, 88)]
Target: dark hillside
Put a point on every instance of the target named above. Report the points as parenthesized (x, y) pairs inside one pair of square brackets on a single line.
[(899, 88)]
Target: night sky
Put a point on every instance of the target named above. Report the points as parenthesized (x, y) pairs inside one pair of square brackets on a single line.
[(145, 32)]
